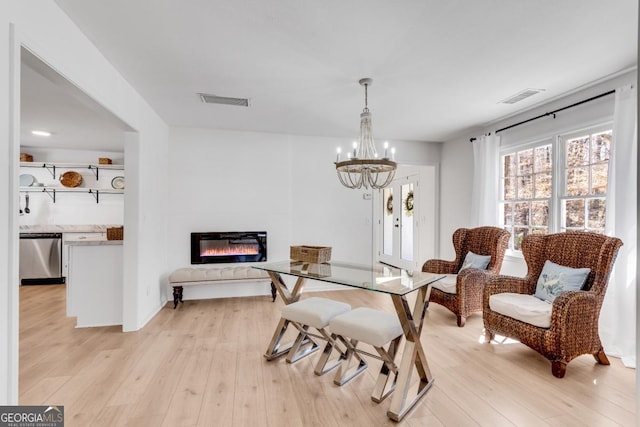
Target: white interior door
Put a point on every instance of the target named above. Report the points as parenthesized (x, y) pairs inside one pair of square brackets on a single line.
[(397, 223), (406, 228)]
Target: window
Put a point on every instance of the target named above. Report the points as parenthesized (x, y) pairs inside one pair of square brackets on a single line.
[(554, 185)]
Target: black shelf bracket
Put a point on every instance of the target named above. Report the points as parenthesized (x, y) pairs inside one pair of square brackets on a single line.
[(51, 169), (95, 170), (51, 193), (96, 195)]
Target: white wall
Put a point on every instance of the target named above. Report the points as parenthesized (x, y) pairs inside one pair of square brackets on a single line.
[(45, 30), (457, 155), (284, 184)]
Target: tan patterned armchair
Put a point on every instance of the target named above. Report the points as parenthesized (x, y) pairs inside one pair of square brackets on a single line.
[(570, 327), (461, 291)]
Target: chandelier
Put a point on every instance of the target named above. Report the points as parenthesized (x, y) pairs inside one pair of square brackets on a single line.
[(363, 168)]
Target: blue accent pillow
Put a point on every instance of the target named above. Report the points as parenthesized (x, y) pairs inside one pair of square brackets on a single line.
[(556, 279), (472, 260)]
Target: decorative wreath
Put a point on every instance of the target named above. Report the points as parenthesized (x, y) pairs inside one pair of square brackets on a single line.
[(390, 204), (408, 203)]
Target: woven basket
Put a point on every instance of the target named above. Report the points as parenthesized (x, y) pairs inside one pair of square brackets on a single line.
[(104, 160), (115, 233), (24, 157), (316, 254)]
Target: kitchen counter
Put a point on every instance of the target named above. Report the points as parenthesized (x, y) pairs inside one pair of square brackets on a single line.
[(67, 228), (89, 241)]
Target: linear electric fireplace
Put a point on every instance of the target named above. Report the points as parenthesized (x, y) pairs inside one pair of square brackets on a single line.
[(227, 247)]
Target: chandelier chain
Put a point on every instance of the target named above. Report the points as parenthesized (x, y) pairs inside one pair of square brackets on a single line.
[(366, 98)]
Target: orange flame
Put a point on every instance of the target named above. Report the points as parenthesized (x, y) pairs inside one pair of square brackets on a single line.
[(231, 250)]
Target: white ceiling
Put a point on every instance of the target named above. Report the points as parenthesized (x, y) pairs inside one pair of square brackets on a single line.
[(439, 68), (51, 103)]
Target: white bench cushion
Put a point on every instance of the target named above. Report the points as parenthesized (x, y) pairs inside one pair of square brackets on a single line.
[(315, 311), (367, 325), (525, 308), (447, 283), (184, 275)]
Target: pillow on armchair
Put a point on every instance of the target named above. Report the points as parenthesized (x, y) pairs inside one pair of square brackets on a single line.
[(555, 279), (472, 260)]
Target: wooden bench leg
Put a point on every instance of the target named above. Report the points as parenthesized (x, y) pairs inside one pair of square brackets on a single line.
[(177, 296)]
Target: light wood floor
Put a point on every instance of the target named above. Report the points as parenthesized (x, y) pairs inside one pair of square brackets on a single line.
[(202, 365)]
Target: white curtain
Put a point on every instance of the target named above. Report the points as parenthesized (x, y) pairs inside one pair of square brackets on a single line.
[(486, 175), (618, 315)]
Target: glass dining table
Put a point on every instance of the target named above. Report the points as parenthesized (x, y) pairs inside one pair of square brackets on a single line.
[(398, 284)]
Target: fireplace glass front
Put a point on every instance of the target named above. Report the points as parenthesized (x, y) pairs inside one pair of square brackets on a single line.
[(228, 247)]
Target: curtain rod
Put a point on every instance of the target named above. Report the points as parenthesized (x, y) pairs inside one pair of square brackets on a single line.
[(553, 113)]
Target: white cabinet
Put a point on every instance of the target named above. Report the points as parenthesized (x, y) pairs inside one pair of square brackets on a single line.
[(94, 284), (76, 237)]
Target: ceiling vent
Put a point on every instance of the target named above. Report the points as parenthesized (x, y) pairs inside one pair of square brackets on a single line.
[(214, 99), (520, 96)]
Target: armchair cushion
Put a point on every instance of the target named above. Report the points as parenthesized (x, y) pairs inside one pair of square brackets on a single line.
[(555, 279), (447, 283), (523, 307), (472, 260)]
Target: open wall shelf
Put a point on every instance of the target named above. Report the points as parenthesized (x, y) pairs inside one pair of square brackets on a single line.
[(52, 191), (53, 166)]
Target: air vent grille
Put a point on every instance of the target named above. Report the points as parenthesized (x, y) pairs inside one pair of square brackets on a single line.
[(520, 96), (224, 100)]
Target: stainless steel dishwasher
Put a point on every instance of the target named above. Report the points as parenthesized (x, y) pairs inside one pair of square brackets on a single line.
[(41, 259)]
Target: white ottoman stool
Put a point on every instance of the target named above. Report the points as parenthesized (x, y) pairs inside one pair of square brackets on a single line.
[(373, 327), (313, 312)]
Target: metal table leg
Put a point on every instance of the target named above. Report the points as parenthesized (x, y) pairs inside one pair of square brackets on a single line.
[(276, 348), (413, 357)]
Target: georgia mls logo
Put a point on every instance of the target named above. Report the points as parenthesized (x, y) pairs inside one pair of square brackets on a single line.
[(31, 416)]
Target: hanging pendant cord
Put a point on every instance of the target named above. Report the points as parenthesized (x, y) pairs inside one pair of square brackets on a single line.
[(366, 98)]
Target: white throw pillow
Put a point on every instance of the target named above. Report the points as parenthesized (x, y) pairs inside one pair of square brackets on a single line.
[(556, 279), (475, 261)]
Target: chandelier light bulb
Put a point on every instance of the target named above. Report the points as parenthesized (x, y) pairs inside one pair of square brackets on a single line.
[(339, 150)]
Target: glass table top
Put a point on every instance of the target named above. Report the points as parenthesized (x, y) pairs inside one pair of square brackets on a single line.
[(379, 277)]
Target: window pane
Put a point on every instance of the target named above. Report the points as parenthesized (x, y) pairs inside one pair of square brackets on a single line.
[(507, 212), (525, 187), (577, 182), (525, 162), (578, 151), (387, 221), (540, 213), (600, 146), (406, 222), (542, 185), (599, 176), (540, 230), (521, 214), (574, 213), (508, 165), (509, 189), (519, 233), (543, 159), (596, 212)]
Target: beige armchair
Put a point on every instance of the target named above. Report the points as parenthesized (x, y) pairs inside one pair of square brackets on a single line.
[(567, 327), (461, 291)]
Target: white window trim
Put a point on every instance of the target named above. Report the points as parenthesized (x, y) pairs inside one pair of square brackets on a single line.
[(556, 140)]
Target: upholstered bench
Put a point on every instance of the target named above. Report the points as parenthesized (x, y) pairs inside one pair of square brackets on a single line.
[(202, 276)]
